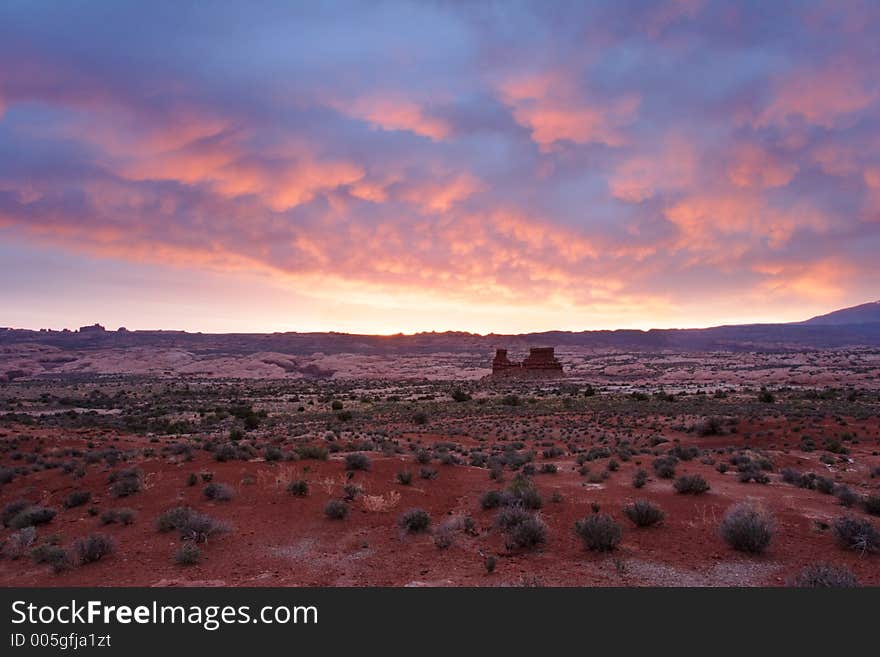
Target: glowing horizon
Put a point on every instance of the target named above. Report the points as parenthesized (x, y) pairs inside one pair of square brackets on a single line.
[(398, 167)]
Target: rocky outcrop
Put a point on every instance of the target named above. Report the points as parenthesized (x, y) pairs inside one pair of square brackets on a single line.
[(540, 363)]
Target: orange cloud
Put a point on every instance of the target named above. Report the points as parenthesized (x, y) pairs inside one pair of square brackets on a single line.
[(640, 177), (823, 97), (394, 112), (703, 218), (553, 110), (825, 280), (440, 196), (754, 166)]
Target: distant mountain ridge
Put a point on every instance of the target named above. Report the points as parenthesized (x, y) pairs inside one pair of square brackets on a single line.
[(858, 326), (865, 313)]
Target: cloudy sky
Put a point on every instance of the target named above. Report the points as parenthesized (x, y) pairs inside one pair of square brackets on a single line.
[(394, 166)]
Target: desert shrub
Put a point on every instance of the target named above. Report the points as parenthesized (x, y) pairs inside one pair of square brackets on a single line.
[(404, 478), (490, 562), (747, 528), (53, 555), (549, 468), (77, 498), (847, 496), (313, 452), (336, 405), (415, 521), (19, 542), (640, 478), (357, 461), (510, 516), (191, 524), (6, 475), (420, 418), (491, 499), (824, 576), (599, 532), (872, 504), (528, 534), (121, 516), (32, 516), (710, 426), (272, 453), (856, 534), (460, 395), (691, 485), (423, 456), (427, 473), (218, 492), (766, 397), (824, 485), (13, 509), (173, 518), (188, 554), (664, 467), (299, 488), (125, 486), (192, 479), (643, 513), (93, 548), (752, 473), (336, 510), (444, 537)]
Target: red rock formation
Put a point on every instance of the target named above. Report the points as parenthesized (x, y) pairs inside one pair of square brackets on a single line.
[(540, 363)]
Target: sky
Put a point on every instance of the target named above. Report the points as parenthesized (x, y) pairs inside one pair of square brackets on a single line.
[(384, 167)]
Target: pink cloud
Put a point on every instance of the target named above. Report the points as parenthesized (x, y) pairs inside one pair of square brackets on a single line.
[(672, 166), (754, 166), (554, 110), (826, 96), (395, 112), (440, 195)]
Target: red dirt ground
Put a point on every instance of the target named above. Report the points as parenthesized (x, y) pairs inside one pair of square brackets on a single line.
[(281, 540)]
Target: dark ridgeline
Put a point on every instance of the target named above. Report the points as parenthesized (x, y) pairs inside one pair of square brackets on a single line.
[(852, 327)]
